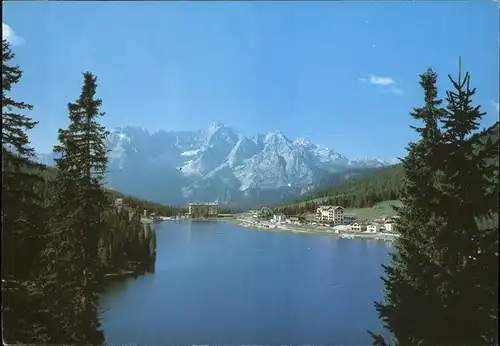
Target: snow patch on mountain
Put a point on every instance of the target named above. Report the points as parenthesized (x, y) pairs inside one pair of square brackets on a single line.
[(190, 152), (118, 140)]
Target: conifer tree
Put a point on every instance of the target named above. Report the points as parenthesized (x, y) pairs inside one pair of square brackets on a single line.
[(441, 285), (22, 214), (470, 187), (410, 283), (77, 220)]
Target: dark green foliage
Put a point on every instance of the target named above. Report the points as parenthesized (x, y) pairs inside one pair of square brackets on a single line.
[(128, 245), (22, 214), (76, 223), (470, 187), (88, 237), (441, 284), (382, 185), (406, 288), (152, 252), (122, 227)]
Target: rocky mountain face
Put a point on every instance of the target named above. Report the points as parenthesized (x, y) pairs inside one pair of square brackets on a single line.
[(219, 164)]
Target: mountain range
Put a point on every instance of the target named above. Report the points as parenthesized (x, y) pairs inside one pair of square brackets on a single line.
[(220, 164)]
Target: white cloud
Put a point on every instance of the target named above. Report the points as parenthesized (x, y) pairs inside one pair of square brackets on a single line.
[(10, 35), (376, 80), (381, 80), (386, 84)]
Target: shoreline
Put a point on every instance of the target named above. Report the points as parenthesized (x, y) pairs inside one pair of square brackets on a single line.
[(303, 230), (340, 234)]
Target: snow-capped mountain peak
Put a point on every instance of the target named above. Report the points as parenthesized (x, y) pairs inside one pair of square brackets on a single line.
[(218, 163), (276, 136), (216, 127), (303, 142)]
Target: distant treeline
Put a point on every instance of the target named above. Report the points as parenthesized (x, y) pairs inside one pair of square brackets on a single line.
[(382, 185), (140, 205)]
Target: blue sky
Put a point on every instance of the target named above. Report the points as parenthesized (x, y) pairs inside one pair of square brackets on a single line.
[(342, 74)]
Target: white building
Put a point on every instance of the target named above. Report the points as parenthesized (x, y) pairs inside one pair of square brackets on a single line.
[(293, 220), (279, 218), (330, 213), (372, 228), (357, 227), (390, 226)]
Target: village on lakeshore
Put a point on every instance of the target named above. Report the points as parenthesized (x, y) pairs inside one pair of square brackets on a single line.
[(328, 219)]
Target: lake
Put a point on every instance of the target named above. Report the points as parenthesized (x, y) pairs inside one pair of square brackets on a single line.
[(225, 284)]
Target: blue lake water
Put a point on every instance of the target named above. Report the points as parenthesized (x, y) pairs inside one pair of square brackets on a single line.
[(217, 283)]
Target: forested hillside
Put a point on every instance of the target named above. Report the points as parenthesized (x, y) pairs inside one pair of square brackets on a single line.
[(379, 186), (382, 185), (141, 205), (128, 246)]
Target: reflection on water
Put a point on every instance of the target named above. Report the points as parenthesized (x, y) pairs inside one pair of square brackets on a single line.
[(220, 283)]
